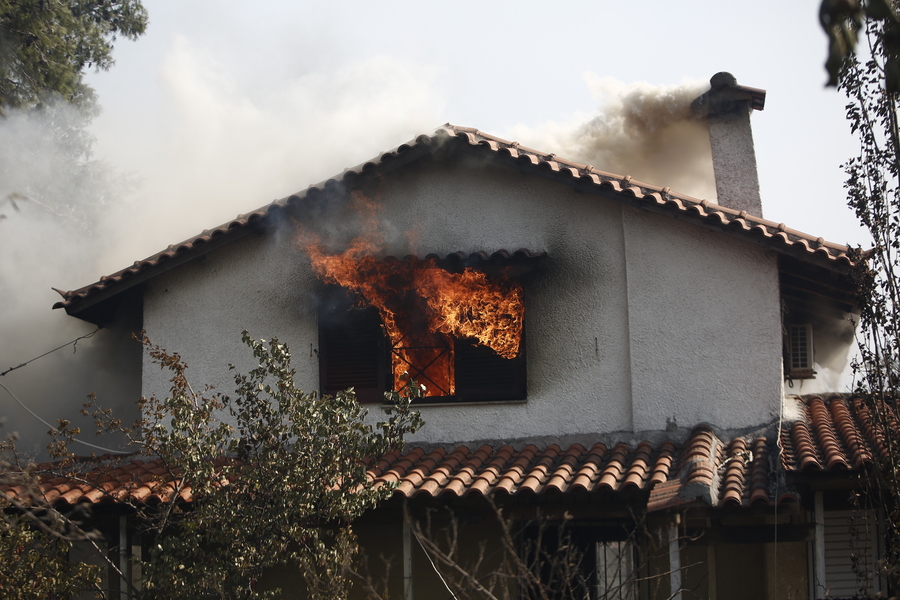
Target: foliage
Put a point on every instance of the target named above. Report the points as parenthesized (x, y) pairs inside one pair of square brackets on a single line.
[(276, 482), (34, 564), (35, 539), (873, 188), (842, 20), (45, 46), (46, 164)]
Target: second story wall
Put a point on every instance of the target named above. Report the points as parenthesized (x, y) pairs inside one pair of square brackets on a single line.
[(634, 321)]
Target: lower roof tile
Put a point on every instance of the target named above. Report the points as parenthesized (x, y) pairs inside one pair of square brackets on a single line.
[(832, 436)]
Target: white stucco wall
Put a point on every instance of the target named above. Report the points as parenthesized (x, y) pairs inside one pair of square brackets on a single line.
[(834, 350), (634, 322)]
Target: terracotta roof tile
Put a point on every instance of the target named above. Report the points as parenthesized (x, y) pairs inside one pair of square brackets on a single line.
[(586, 177), (461, 479), (664, 462), (610, 476), (563, 474), (516, 472), (833, 435), (435, 473), (665, 495), (826, 437), (640, 467), (761, 475), (735, 475), (836, 434), (590, 469)]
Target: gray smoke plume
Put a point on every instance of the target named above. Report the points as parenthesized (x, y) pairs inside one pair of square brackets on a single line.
[(639, 129), (52, 199), (225, 146)]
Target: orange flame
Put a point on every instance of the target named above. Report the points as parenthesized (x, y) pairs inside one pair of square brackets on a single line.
[(423, 307)]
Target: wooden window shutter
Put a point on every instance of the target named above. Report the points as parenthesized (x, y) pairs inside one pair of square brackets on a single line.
[(482, 374), (352, 348)]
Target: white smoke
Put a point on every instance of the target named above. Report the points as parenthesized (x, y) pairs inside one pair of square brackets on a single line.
[(52, 197), (643, 130), (226, 148)]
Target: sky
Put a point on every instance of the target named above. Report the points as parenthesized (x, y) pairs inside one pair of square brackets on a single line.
[(224, 106)]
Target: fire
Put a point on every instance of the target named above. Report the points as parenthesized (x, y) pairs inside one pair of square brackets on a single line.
[(424, 307)]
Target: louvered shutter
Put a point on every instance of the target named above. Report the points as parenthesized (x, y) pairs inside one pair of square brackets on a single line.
[(851, 549), (352, 349), (482, 374)]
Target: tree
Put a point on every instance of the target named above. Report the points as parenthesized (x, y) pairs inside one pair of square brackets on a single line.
[(873, 188), (35, 539), (276, 478), (45, 46)]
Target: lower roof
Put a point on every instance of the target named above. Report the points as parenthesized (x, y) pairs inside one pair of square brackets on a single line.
[(831, 436)]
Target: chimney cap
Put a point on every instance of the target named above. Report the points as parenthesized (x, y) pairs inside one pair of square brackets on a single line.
[(722, 79), (726, 96)]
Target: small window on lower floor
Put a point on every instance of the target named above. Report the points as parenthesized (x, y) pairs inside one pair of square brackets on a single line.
[(614, 571)]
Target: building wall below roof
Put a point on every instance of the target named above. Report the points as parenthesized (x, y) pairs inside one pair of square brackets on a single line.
[(834, 348), (634, 322)]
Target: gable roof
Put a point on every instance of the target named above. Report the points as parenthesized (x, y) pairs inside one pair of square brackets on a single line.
[(84, 301)]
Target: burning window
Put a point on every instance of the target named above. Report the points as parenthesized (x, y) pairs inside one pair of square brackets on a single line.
[(457, 330), (453, 324)]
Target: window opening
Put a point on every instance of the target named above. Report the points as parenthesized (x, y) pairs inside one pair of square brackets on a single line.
[(851, 554), (615, 570), (431, 366), (800, 351), (459, 332)]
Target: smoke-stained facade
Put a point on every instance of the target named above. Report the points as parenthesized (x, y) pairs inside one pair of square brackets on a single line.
[(614, 279)]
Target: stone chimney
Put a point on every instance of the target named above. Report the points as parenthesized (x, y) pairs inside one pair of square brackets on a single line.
[(726, 108)]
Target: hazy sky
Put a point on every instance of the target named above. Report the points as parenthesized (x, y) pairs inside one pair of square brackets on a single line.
[(225, 105)]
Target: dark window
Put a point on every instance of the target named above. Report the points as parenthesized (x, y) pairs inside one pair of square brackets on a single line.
[(355, 352), (579, 560), (482, 374)]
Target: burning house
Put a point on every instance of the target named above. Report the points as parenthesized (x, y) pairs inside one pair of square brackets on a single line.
[(589, 344)]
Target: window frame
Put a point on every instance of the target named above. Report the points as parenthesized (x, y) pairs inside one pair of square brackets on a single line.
[(341, 317)]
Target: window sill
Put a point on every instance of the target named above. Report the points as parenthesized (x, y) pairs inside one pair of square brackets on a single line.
[(419, 405)]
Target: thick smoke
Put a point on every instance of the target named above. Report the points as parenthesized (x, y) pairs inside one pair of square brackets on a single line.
[(639, 129), (226, 146), (220, 147), (52, 200)]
